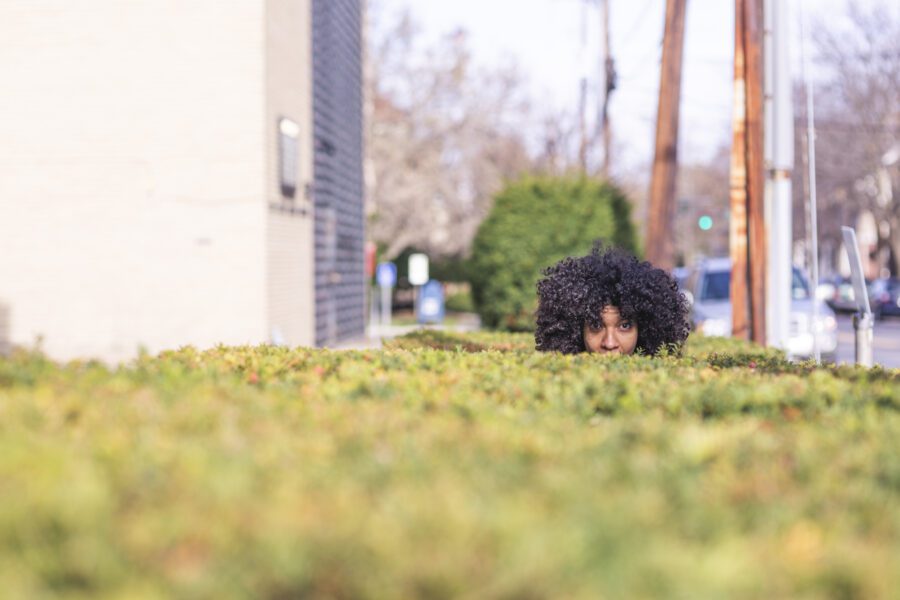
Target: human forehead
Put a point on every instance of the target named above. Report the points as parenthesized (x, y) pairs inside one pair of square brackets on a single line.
[(610, 314)]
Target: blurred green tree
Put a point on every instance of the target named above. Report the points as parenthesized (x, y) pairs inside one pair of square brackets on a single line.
[(535, 222)]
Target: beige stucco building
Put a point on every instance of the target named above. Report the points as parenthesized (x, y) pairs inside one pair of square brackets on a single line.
[(156, 170)]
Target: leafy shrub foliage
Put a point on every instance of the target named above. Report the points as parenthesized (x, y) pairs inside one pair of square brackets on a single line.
[(460, 302), (534, 223), (449, 466)]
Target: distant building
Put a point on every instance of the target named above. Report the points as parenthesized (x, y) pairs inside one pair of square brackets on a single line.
[(179, 173)]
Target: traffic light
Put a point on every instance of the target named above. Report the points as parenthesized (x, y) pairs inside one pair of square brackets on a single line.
[(705, 222)]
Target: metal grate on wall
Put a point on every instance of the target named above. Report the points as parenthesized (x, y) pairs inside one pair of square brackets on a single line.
[(338, 170)]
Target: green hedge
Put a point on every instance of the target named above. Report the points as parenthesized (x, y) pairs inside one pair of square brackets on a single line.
[(449, 466), (534, 223)]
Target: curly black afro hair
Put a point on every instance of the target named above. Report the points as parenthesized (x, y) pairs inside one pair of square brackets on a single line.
[(575, 290)]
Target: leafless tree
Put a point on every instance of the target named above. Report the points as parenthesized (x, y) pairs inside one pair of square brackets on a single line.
[(442, 136), (857, 69)]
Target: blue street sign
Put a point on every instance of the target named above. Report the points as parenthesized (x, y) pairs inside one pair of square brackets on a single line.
[(386, 274), (431, 302)]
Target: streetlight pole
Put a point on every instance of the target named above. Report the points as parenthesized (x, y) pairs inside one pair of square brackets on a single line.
[(779, 145), (813, 205)]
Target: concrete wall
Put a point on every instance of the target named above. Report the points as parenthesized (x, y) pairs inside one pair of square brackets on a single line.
[(291, 311), (132, 200)]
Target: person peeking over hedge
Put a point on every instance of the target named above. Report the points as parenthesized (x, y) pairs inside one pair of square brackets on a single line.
[(609, 302)]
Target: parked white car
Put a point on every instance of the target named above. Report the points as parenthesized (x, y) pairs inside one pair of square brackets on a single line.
[(709, 287)]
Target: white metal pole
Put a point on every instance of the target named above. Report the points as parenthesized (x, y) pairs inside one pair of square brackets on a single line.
[(385, 307), (779, 147), (813, 210)]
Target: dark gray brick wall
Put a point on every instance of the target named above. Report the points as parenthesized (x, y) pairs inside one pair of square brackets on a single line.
[(338, 170)]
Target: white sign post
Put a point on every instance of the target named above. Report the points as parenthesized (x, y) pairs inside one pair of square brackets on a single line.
[(386, 275), (418, 276)]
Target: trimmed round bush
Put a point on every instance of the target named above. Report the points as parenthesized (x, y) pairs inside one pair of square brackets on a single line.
[(535, 222)]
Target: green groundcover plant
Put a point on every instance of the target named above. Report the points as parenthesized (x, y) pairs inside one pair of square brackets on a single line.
[(449, 466)]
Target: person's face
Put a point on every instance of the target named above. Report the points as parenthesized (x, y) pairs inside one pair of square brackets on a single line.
[(614, 336)]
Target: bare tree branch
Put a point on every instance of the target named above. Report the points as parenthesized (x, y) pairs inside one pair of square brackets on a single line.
[(442, 137)]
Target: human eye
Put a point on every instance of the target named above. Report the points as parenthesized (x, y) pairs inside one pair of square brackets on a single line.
[(625, 325)]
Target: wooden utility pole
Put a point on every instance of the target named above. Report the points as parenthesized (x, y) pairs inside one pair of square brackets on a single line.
[(665, 162), (609, 84), (602, 131), (582, 97), (756, 169), (747, 234), (737, 234)]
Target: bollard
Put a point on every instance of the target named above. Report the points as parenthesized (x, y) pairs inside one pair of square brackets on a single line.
[(863, 326), (863, 320)]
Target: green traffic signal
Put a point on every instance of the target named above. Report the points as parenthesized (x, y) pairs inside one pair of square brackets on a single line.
[(705, 222)]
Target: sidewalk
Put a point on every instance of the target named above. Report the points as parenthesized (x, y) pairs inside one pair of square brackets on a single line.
[(375, 334)]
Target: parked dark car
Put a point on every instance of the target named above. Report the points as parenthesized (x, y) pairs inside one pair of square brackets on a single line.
[(841, 298), (884, 296)]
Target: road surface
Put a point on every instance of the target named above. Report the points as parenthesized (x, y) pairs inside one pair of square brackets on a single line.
[(886, 349)]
